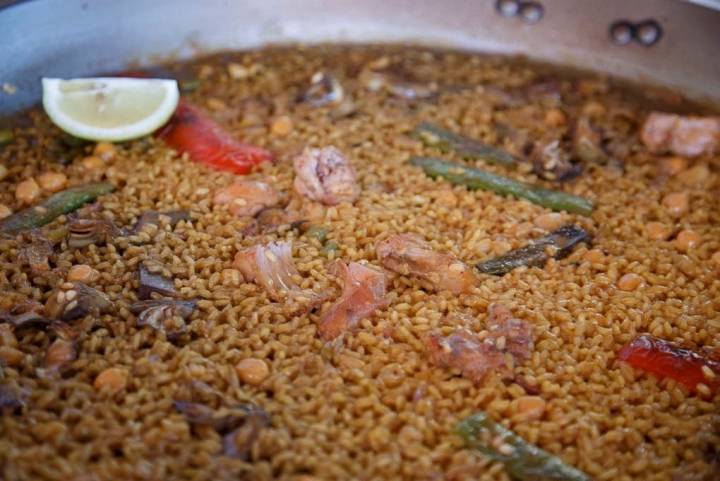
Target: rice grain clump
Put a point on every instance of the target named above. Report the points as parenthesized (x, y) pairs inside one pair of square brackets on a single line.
[(270, 399)]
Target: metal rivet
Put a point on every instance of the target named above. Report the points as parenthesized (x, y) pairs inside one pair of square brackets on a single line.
[(648, 32), (622, 32), (531, 12), (507, 8)]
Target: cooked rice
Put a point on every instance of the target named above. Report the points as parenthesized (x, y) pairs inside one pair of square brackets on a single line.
[(371, 406)]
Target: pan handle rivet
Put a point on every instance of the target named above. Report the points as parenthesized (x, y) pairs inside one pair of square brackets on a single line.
[(622, 32), (648, 32), (531, 12), (507, 8)]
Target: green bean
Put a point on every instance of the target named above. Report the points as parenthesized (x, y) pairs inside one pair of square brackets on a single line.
[(474, 178), (522, 460), (61, 203), (433, 136)]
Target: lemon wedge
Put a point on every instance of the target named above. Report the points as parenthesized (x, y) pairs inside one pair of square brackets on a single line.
[(109, 108)]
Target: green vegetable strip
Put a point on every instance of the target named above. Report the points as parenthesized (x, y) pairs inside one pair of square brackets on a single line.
[(61, 203), (433, 136), (522, 460), (479, 179)]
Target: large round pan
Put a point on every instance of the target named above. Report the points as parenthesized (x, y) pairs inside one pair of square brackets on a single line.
[(668, 42)]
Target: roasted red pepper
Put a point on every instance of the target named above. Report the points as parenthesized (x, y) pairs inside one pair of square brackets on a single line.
[(668, 360), (192, 131)]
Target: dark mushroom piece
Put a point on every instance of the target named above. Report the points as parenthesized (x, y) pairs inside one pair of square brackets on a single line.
[(165, 315), (11, 399), (29, 319), (154, 281), (324, 89), (83, 232), (73, 300), (551, 160), (397, 83), (239, 425), (587, 142), (153, 217)]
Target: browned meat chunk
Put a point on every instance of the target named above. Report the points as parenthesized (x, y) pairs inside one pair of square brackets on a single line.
[(271, 266), (409, 254), (246, 197), (325, 175), (688, 136), (509, 341), (363, 293)]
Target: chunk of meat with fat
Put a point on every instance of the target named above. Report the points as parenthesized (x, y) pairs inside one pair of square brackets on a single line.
[(410, 254), (325, 175), (246, 197), (517, 333), (363, 292), (688, 136), (509, 341), (271, 266), (465, 351)]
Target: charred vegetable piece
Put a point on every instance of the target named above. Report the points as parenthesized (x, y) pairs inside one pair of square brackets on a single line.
[(668, 360), (25, 319), (154, 281), (61, 203), (434, 136), (73, 300), (239, 425), (192, 131), (522, 460), (166, 315), (479, 179), (557, 245)]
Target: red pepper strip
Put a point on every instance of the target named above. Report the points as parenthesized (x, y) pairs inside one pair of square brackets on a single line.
[(665, 359), (191, 131)]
